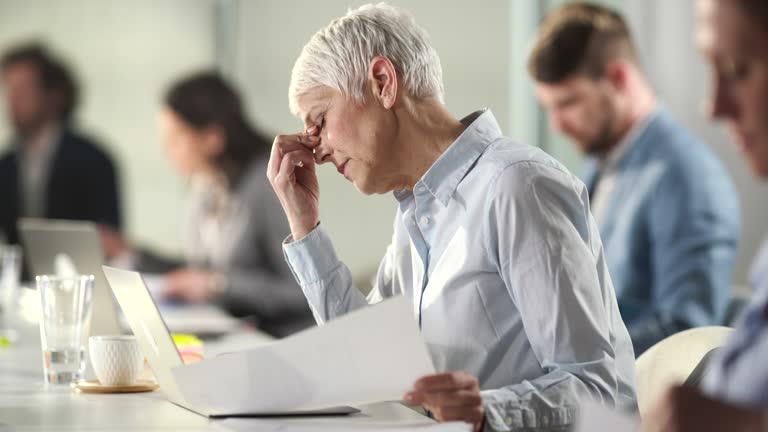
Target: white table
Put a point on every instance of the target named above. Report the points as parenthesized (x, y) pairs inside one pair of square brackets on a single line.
[(26, 404)]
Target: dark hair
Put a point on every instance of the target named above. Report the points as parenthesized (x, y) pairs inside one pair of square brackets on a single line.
[(758, 9), (55, 76), (579, 39), (206, 99)]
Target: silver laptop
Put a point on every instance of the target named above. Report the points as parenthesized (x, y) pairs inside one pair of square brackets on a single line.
[(76, 246), (73, 246), (152, 334)]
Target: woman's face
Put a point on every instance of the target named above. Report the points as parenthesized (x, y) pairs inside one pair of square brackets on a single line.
[(185, 146), (360, 140), (735, 44)]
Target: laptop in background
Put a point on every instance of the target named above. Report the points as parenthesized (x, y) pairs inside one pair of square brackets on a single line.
[(75, 246), (72, 247)]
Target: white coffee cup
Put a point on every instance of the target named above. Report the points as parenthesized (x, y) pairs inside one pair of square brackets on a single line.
[(117, 360)]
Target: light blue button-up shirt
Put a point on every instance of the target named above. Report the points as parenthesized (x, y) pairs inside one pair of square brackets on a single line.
[(498, 250), (738, 372), (670, 228)]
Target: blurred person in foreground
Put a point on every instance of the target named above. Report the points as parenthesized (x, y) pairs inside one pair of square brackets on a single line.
[(733, 35)]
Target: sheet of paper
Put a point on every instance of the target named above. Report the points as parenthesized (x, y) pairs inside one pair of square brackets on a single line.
[(594, 417), (373, 354), (336, 425), (378, 417)]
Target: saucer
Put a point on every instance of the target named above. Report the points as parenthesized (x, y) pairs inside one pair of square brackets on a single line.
[(94, 386)]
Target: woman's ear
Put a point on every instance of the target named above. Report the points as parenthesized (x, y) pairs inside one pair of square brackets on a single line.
[(214, 140), (383, 79)]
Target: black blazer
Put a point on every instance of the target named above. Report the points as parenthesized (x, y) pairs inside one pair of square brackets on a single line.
[(82, 185)]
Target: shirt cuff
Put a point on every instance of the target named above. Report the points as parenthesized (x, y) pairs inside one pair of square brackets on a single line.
[(312, 258), (507, 416)]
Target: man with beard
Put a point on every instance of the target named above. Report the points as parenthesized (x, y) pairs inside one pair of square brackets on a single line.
[(667, 211), (50, 170)]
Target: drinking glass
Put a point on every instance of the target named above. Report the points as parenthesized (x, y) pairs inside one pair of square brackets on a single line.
[(64, 323)]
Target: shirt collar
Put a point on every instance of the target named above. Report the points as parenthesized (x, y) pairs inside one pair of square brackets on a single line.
[(46, 144), (617, 154), (444, 176)]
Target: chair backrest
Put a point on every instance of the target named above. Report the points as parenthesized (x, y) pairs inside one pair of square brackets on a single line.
[(672, 360)]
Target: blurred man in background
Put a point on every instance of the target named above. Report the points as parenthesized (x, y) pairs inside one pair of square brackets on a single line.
[(50, 170), (668, 213)]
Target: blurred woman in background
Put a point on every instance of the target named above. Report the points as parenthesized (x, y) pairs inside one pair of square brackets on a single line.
[(236, 225)]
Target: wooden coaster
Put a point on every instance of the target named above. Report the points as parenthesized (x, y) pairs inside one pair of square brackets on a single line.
[(94, 386)]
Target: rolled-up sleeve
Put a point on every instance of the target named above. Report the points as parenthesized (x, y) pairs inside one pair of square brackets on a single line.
[(542, 238)]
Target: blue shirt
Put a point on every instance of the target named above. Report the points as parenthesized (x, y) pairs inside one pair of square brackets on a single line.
[(739, 372), (502, 259), (670, 228)]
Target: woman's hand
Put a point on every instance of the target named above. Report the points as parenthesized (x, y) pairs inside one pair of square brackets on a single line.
[(112, 242), (190, 285), (453, 396), (291, 171)]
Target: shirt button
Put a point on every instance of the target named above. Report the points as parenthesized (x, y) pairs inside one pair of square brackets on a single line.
[(545, 421), (421, 189), (424, 221), (508, 421)]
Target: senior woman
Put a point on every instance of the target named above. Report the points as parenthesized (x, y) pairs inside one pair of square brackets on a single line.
[(493, 241)]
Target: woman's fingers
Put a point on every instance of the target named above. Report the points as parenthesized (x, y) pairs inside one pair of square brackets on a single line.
[(291, 171), (291, 161), (284, 144), (455, 398), (450, 396), (446, 381)]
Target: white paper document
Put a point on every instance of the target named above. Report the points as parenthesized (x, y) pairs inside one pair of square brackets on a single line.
[(373, 354), (260, 425), (594, 417)]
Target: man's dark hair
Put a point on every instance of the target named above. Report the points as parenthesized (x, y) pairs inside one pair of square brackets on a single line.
[(55, 76), (579, 39)]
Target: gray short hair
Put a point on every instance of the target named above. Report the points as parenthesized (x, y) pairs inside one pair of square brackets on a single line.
[(338, 55)]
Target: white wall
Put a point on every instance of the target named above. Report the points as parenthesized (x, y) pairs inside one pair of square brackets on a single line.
[(473, 43), (125, 53)]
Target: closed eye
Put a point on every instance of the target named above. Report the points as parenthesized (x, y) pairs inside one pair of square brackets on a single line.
[(321, 121), (735, 71)]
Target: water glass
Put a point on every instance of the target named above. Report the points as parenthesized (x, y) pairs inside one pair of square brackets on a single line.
[(10, 278), (64, 323)]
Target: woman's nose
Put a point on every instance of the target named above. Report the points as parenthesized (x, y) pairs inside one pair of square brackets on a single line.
[(322, 153)]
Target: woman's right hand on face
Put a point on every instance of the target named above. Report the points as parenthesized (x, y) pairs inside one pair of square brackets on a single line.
[(291, 171)]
